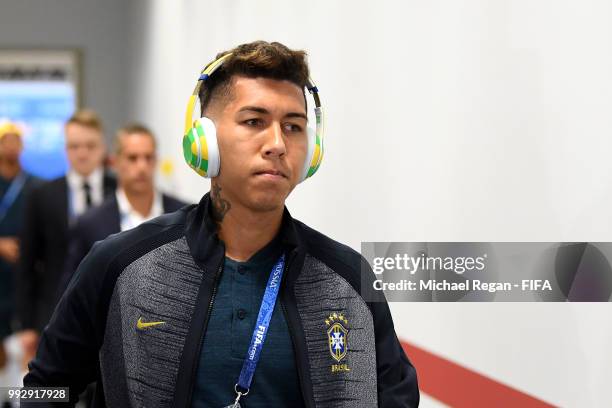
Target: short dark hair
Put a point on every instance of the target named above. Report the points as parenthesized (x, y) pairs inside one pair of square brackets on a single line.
[(130, 129), (256, 59)]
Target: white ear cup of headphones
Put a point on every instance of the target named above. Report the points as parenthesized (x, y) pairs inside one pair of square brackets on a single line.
[(214, 158), (200, 148)]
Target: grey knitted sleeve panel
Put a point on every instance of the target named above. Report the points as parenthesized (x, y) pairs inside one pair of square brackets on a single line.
[(150, 290)]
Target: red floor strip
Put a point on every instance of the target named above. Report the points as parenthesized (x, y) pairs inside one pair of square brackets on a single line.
[(460, 387)]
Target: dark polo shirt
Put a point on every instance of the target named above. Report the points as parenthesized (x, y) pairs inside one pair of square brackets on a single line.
[(234, 314)]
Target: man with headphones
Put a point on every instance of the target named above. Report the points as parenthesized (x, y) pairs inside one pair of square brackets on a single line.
[(231, 302)]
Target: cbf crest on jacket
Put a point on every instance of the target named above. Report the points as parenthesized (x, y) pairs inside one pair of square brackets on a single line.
[(135, 313)]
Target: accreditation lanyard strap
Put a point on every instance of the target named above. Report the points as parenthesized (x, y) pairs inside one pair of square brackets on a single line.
[(261, 328), (11, 194)]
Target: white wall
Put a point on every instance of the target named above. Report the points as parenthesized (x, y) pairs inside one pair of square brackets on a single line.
[(446, 121)]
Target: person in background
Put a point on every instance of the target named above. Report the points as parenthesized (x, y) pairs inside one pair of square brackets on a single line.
[(135, 201), (49, 210), (14, 182)]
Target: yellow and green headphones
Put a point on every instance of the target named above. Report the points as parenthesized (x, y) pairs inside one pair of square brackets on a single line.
[(200, 147)]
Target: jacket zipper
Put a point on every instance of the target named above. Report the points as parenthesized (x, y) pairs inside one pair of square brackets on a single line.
[(292, 336), (299, 368), (210, 306)]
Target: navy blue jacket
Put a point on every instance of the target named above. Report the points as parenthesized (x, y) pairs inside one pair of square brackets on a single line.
[(167, 270)]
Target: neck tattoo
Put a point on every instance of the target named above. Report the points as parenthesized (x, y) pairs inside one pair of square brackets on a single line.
[(220, 205)]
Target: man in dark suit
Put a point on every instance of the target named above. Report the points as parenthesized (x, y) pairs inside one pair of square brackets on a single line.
[(49, 210), (14, 184), (135, 201)]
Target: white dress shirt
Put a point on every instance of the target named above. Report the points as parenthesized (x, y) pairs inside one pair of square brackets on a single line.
[(76, 192), (129, 217)]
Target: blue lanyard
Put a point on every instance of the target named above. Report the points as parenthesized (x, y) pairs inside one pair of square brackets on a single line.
[(261, 328), (11, 194)]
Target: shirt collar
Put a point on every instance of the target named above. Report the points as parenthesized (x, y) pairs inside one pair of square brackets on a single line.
[(95, 179), (125, 208), (122, 202)]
